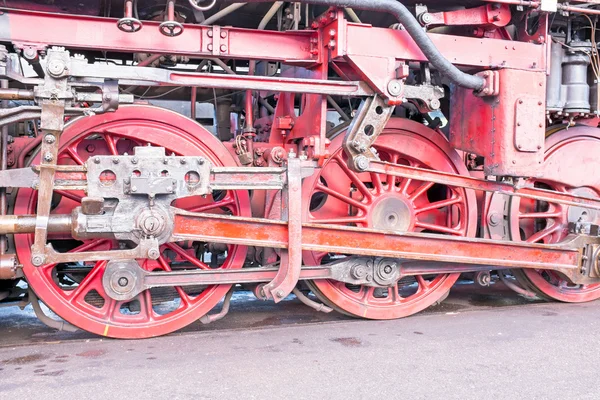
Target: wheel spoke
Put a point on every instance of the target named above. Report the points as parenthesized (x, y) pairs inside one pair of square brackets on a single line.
[(341, 197), (227, 201), (420, 190), (72, 152), (69, 195), (182, 253), (439, 204), (543, 233), (88, 246), (393, 294), (185, 299), (544, 214), (91, 277), (438, 228), (422, 282), (111, 143), (366, 292), (112, 306), (366, 192), (146, 304), (377, 184), (404, 185), (340, 221)]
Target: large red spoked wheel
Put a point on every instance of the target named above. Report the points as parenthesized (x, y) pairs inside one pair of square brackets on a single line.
[(570, 166), (343, 197), (74, 290)]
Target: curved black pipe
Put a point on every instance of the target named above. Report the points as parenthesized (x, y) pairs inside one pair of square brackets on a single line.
[(412, 26)]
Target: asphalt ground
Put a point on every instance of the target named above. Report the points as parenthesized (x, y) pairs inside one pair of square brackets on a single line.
[(479, 343)]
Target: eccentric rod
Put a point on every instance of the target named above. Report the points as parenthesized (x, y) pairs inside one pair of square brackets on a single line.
[(415, 30)]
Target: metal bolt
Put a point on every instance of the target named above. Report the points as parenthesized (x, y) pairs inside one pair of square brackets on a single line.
[(123, 281), (97, 160), (395, 87), (494, 219), (165, 161), (56, 67), (182, 161), (426, 18), (201, 160), (223, 34), (279, 293), (223, 48), (209, 33), (134, 188), (37, 260), (209, 47), (48, 157), (388, 269), (153, 254), (49, 139), (361, 163), (115, 160), (332, 32), (134, 160)]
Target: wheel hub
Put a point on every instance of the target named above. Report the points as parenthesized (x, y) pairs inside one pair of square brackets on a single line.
[(392, 213), (582, 214)]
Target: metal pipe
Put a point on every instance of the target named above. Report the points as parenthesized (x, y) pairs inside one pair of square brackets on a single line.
[(193, 103), (415, 30), (15, 94), (208, 318), (270, 14), (312, 304), (514, 287), (149, 60), (46, 320), (352, 15), (223, 13), (534, 4), (580, 10), (266, 105), (222, 64), (337, 108)]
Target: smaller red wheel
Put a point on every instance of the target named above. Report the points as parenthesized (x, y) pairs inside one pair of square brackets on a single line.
[(343, 197), (74, 291), (570, 166)]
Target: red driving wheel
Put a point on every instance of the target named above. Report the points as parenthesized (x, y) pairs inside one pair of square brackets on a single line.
[(570, 166), (342, 197), (74, 290)]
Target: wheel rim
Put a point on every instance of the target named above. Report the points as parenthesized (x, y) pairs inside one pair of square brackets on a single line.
[(570, 166), (76, 293), (341, 197)]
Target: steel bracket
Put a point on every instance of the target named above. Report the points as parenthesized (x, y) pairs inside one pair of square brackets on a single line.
[(368, 123)]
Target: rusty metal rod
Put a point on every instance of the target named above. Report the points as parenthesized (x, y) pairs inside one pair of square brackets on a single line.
[(15, 94), (3, 166), (10, 224)]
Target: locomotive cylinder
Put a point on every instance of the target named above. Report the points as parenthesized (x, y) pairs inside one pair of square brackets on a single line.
[(575, 80)]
